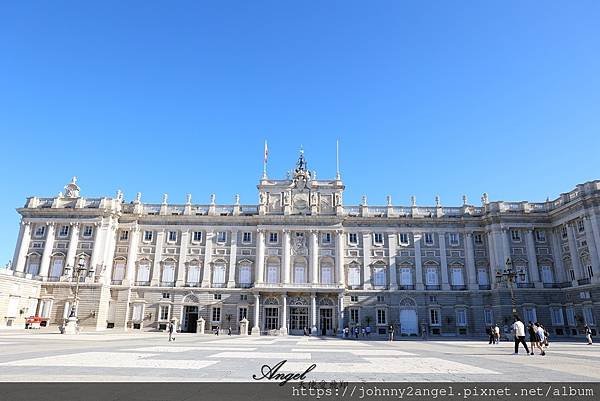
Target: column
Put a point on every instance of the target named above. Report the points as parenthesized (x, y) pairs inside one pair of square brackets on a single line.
[(22, 248), (132, 254), (183, 251), (256, 327), (492, 256), (443, 261), (418, 263), (341, 314), (208, 248), (73, 243), (314, 257), (313, 303), (232, 259), (160, 240), (260, 257), (505, 248), (592, 248), (534, 272), (98, 247), (470, 262), (575, 262), (105, 273), (366, 240), (283, 330), (557, 256), (392, 261), (47, 254), (339, 260), (287, 256)]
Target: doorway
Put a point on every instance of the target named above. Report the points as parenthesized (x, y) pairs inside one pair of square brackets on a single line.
[(298, 320), (189, 322), (408, 322), (272, 318), (326, 320)]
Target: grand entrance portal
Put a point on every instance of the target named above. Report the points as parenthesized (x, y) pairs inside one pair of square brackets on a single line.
[(298, 319), (189, 320), (408, 322), (272, 318), (326, 319)]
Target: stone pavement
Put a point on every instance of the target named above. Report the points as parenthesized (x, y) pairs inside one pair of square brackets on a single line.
[(38, 356)]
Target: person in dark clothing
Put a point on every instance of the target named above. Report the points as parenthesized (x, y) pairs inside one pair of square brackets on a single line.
[(491, 335), (533, 340)]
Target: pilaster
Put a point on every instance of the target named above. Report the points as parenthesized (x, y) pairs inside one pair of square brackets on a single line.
[(22, 247), (314, 257), (418, 262), (132, 254), (470, 262), (286, 256), (208, 249), (443, 261), (48, 247), (339, 260), (366, 242), (534, 271), (392, 248), (232, 259), (160, 241), (183, 251)]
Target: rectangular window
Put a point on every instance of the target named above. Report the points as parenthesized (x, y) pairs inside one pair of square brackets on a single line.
[(88, 231), (148, 235), (478, 239), (378, 238), (381, 317), (244, 297), (515, 235), (247, 237), (354, 276), (453, 239), (488, 317), (428, 238), (64, 231), (352, 238), (40, 231), (482, 277), (540, 235), (432, 277), (570, 312), (557, 317), (563, 231), (119, 271), (124, 236), (326, 275), (588, 316), (216, 297), (221, 236), (13, 306), (172, 236), (138, 312), (163, 312), (529, 314), (434, 317), (166, 295), (273, 238), (580, 226), (245, 274), (326, 238), (405, 276), (457, 276), (590, 271), (353, 298), (572, 274), (216, 314), (380, 298), (272, 274), (242, 313), (379, 276), (197, 236), (547, 275), (404, 238), (461, 317), (354, 316)]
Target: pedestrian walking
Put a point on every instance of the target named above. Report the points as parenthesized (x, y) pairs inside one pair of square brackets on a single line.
[(491, 335), (171, 330), (363, 331), (519, 331), (391, 332), (356, 332), (540, 337), (368, 330), (497, 333), (533, 337), (588, 334), (229, 331), (346, 331), (546, 342)]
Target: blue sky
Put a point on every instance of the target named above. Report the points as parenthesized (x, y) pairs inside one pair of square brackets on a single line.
[(426, 98)]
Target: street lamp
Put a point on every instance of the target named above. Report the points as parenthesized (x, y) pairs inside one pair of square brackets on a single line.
[(509, 275), (71, 326)]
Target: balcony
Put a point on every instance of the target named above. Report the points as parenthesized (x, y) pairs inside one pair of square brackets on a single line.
[(192, 284), (218, 285), (485, 287), (53, 279), (142, 283), (406, 287), (552, 285), (167, 284), (458, 287), (432, 287), (116, 282), (245, 285), (296, 285), (525, 285), (584, 281)]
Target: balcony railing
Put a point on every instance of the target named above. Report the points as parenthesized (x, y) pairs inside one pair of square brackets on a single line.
[(461, 287), (551, 285), (192, 284), (142, 283), (406, 287), (53, 279), (116, 282), (245, 285), (432, 287), (485, 287), (583, 281), (167, 284), (525, 285), (296, 285), (218, 285)]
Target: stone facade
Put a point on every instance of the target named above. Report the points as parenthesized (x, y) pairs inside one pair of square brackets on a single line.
[(301, 260)]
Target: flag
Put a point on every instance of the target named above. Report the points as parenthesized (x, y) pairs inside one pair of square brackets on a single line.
[(266, 152)]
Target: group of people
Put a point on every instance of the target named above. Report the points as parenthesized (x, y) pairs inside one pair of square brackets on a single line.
[(356, 331), (494, 334), (538, 336)]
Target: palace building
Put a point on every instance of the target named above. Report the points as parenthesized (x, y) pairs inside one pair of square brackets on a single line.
[(302, 260)]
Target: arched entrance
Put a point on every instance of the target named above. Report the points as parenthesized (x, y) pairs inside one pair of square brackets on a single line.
[(298, 315), (190, 314), (408, 317)]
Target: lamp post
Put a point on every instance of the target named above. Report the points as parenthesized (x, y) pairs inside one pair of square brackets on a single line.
[(509, 275), (71, 326)]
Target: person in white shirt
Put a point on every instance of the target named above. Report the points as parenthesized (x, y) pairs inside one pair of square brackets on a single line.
[(588, 334), (539, 330), (519, 331), (497, 333)]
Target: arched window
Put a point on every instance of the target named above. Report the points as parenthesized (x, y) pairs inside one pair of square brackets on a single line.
[(33, 264)]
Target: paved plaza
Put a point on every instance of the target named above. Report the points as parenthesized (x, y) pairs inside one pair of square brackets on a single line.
[(44, 356)]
